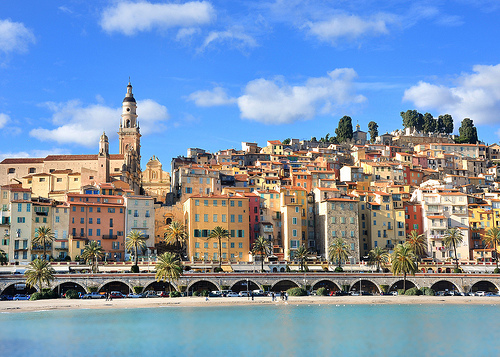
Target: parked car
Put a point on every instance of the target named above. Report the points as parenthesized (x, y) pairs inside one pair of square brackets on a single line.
[(94, 295), (232, 294), (355, 293), (480, 293), (6, 297), (258, 292), (215, 294), (21, 297), (162, 294), (116, 295), (245, 293), (339, 293), (150, 294), (135, 296)]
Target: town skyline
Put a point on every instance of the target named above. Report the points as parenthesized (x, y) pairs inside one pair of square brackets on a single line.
[(213, 74)]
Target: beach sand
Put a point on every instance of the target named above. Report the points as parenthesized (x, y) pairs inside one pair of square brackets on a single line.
[(65, 304)]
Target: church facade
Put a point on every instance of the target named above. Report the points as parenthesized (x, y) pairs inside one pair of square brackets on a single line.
[(54, 175)]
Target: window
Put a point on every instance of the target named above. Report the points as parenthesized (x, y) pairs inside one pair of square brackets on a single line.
[(205, 203), (215, 218), (21, 220), (215, 245), (82, 220), (224, 218), (205, 218), (351, 220), (334, 233), (98, 232), (232, 244), (334, 220), (223, 203), (342, 220), (294, 233), (240, 245), (205, 245), (240, 218), (98, 221), (196, 217), (232, 218), (98, 209), (240, 204), (90, 232), (215, 203), (232, 203), (189, 190), (28, 207), (294, 220), (224, 244), (241, 233), (197, 244)]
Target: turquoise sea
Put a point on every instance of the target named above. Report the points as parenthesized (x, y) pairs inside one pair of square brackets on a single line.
[(280, 330)]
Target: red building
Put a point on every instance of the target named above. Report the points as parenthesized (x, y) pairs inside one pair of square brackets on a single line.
[(254, 216), (413, 217)]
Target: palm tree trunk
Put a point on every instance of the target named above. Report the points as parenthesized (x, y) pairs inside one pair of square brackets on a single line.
[(136, 254), (496, 254), (262, 263), (220, 255), (404, 281), (44, 255), (456, 259)]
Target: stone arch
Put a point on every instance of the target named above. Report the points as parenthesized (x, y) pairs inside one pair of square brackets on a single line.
[(64, 286), (160, 286), (484, 285), (203, 284), (399, 285), (366, 285), (241, 285), (283, 285), (329, 285), (443, 285), (18, 287), (115, 285)]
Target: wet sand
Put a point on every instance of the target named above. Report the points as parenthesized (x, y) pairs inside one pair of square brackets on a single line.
[(65, 304)]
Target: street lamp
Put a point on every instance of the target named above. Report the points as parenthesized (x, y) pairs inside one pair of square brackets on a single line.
[(248, 292)]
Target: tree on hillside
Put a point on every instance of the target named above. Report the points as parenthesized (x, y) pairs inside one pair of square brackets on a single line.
[(447, 124), (314, 140), (286, 141), (412, 119), (468, 132), (344, 130), (429, 123), (373, 130)]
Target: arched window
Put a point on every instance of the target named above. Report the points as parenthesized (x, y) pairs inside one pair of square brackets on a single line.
[(128, 123), (12, 170), (32, 170), (153, 175)]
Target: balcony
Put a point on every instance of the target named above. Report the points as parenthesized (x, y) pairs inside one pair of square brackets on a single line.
[(436, 236), (107, 236), (389, 246), (61, 248), (459, 211), (38, 247)]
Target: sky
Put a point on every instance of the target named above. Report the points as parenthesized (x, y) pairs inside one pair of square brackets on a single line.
[(211, 74)]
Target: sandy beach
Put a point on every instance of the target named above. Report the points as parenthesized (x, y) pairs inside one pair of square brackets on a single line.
[(64, 304)]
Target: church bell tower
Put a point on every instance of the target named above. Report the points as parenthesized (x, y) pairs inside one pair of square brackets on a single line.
[(129, 133)]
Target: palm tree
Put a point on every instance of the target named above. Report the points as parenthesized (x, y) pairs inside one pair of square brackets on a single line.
[(135, 240), (492, 239), (176, 234), (219, 233), (301, 254), (417, 244), (403, 261), (338, 251), (378, 256), (43, 236), (39, 272), (262, 246), (168, 268), (452, 238), (93, 251)]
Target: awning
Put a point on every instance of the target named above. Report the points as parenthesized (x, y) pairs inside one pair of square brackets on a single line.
[(227, 268)]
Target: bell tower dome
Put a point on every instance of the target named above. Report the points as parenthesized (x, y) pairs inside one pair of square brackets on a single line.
[(129, 133)]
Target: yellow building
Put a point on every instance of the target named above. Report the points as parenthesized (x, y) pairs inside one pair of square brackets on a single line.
[(202, 213)]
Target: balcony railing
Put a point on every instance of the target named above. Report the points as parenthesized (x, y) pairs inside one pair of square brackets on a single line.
[(108, 236), (389, 246)]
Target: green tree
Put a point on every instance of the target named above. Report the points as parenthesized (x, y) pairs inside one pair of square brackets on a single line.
[(403, 262), (412, 119), (338, 251), (373, 130), (452, 238), (429, 123), (468, 132), (3, 257), (176, 235), (447, 124), (92, 253), (314, 140), (301, 255), (286, 141), (344, 129), (168, 268), (219, 233), (39, 272), (492, 239), (261, 246), (417, 244), (135, 240), (378, 256), (43, 237)]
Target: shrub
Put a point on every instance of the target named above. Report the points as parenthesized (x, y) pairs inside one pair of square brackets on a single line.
[(496, 271), (457, 270), (182, 287), (384, 288), (67, 258), (345, 287), (321, 292), (36, 296), (218, 270), (224, 287), (297, 292), (92, 289), (45, 294), (266, 287), (413, 291), (175, 294), (401, 292), (134, 269), (428, 291), (339, 270), (196, 293), (204, 293), (72, 294), (326, 269), (138, 289)]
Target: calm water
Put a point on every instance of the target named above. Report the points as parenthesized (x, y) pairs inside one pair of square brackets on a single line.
[(284, 330)]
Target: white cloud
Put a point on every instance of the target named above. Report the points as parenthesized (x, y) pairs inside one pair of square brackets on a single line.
[(33, 153), (132, 17), (475, 95), (275, 102), (351, 27), (207, 98), (234, 36), (83, 125), (15, 37), (4, 118), (186, 33)]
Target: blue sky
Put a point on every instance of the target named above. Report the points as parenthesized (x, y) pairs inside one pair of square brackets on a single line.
[(211, 74)]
